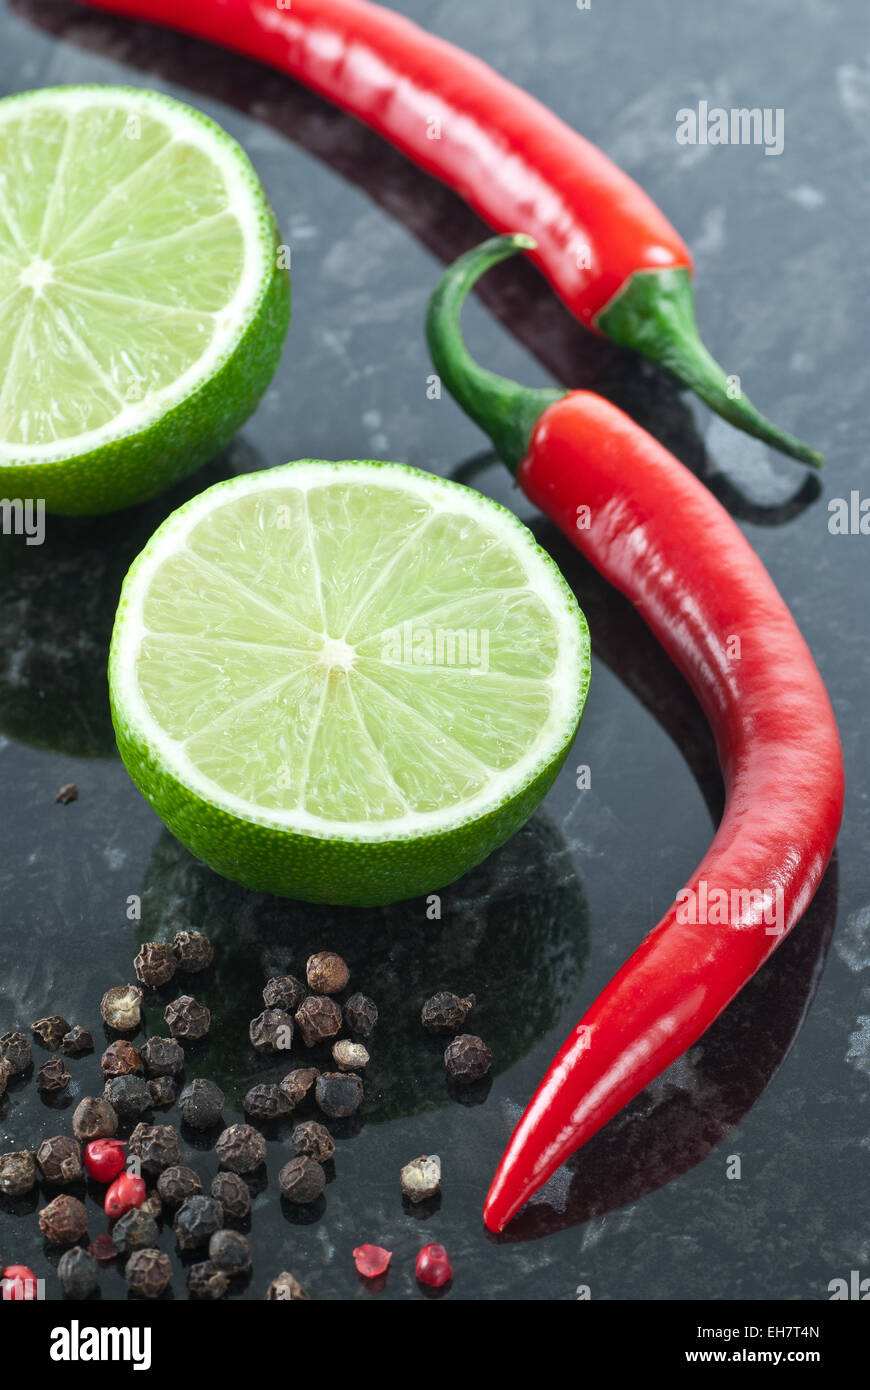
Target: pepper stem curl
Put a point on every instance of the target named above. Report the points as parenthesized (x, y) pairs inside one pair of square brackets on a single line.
[(505, 410)]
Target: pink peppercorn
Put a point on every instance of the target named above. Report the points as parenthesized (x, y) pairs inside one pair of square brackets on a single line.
[(433, 1267), (17, 1284), (104, 1159), (126, 1192), (372, 1260)]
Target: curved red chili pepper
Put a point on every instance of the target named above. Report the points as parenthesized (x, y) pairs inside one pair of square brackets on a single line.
[(605, 247), (655, 532)]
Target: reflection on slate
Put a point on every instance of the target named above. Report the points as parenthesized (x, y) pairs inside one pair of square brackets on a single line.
[(59, 602), (678, 1120), (516, 936)]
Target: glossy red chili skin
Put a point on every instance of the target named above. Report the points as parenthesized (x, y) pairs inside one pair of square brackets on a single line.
[(514, 161), (655, 532)]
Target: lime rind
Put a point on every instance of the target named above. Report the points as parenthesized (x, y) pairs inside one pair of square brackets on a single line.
[(171, 546), (196, 346), (407, 790)]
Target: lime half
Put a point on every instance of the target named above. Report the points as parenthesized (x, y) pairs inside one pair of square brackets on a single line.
[(345, 682), (144, 304)]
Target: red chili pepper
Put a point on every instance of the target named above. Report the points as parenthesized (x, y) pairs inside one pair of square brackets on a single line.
[(606, 249), (655, 532)]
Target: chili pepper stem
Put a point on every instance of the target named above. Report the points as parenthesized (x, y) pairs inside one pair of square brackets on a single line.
[(654, 313), (505, 410)]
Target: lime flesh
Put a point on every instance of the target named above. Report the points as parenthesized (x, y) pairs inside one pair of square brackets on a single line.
[(345, 683), (143, 301)]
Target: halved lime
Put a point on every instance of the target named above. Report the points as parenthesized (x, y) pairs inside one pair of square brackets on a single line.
[(143, 298), (345, 682)]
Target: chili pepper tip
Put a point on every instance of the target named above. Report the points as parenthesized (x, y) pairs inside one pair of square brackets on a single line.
[(654, 313)]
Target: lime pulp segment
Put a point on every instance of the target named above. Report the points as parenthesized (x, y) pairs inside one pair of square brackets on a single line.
[(351, 651), (136, 251)]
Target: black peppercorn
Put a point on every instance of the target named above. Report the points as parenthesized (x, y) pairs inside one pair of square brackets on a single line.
[(17, 1173), (121, 1058), (76, 1041), (302, 1180), (129, 1095), (267, 1102), (284, 1289), (135, 1230), (445, 1012), (326, 972), (271, 1031), (361, 1015), (60, 1160), (240, 1148), (156, 1147), (313, 1140), (67, 793), (177, 1183), (201, 1103), (467, 1058), (78, 1272), (155, 964), (152, 1204), (421, 1178), (94, 1119), (319, 1018), (205, 1280), (15, 1050), (350, 1056), (233, 1194), (50, 1031), (339, 1093), (162, 1056), (148, 1273), (296, 1084), (283, 992), (230, 1251), (186, 1018), (193, 951), (53, 1076), (121, 1007), (196, 1221), (163, 1091), (64, 1221)]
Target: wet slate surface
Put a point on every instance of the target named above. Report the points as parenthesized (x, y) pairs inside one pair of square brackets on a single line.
[(647, 1210)]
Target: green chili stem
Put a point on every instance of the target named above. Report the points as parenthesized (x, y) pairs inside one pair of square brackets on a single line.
[(505, 410), (655, 314)]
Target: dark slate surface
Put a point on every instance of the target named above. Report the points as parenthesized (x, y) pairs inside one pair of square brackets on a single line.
[(646, 1211)]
